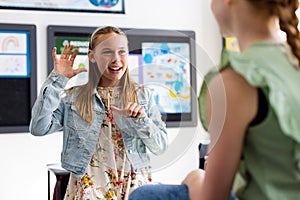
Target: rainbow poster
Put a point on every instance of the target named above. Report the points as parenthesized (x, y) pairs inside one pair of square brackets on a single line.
[(13, 54)]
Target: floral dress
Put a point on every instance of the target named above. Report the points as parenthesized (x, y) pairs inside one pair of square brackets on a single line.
[(109, 174)]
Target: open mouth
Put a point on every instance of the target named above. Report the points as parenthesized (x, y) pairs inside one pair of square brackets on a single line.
[(115, 69)]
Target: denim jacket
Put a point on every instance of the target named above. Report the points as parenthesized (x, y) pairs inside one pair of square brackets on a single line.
[(52, 112)]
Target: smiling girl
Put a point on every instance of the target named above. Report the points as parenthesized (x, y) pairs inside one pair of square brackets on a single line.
[(107, 123)]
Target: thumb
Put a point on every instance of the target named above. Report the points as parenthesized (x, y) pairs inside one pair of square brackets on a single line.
[(79, 70)]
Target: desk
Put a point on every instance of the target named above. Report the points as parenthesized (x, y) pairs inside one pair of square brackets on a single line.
[(62, 178)]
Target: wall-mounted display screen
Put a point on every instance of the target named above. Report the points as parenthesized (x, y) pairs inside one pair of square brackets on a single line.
[(17, 76), (165, 67), (163, 60)]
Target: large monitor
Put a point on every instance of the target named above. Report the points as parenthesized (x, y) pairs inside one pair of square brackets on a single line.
[(18, 80), (163, 60)]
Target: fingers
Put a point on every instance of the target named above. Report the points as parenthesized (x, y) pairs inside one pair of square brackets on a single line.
[(64, 64), (67, 52), (73, 56), (136, 110), (54, 53), (131, 110), (54, 57), (63, 54)]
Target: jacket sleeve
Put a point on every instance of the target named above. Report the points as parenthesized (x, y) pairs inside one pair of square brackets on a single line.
[(150, 127), (47, 111)]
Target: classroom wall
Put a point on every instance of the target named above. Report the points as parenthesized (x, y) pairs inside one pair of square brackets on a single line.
[(24, 157)]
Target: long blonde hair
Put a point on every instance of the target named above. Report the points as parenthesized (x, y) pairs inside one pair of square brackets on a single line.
[(84, 101), (285, 10)]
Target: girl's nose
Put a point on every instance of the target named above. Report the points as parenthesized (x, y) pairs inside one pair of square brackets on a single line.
[(116, 56)]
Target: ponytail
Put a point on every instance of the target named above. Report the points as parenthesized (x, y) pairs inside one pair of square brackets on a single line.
[(288, 21)]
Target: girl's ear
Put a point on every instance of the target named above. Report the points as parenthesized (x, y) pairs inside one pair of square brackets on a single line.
[(91, 56)]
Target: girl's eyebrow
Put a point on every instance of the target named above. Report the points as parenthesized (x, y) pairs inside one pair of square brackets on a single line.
[(107, 48)]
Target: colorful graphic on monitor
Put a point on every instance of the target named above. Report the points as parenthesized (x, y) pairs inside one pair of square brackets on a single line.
[(166, 68)]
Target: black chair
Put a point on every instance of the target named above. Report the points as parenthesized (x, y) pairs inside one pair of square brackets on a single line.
[(62, 179), (202, 154)]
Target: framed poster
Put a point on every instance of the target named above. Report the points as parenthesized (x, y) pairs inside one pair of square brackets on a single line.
[(18, 76), (101, 6)]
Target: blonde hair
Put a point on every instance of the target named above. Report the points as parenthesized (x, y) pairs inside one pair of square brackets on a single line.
[(285, 10), (84, 100)]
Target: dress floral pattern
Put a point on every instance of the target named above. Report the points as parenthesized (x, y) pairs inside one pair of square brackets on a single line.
[(109, 175)]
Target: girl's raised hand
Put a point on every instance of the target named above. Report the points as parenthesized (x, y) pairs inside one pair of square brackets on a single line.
[(64, 64)]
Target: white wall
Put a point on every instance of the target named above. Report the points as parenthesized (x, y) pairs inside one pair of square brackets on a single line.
[(24, 157)]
